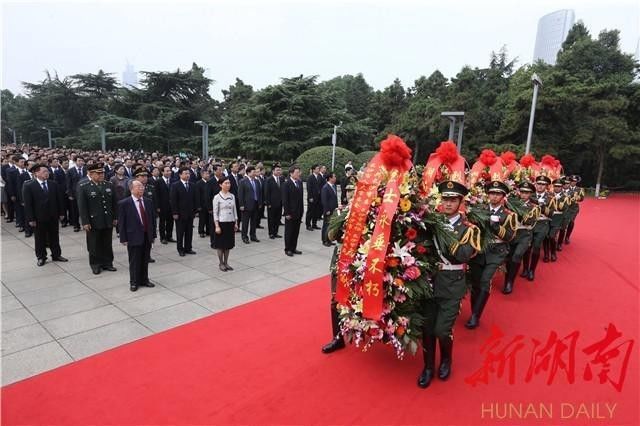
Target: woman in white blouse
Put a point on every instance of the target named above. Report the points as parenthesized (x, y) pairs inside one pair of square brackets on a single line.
[(225, 218)]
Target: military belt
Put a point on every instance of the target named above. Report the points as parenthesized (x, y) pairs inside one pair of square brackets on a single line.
[(525, 227), (557, 212), (451, 267)]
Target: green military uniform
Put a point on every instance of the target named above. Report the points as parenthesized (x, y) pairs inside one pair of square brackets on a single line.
[(544, 201), (577, 195), (520, 244), (449, 286), (483, 266), (559, 204), (97, 207)]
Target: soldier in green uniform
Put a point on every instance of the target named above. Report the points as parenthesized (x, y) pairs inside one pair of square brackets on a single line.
[(559, 205), (543, 199), (568, 213), (482, 267), (337, 342), (449, 286), (97, 207), (142, 175), (577, 195), (522, 241)]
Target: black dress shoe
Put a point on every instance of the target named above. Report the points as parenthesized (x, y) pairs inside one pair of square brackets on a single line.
[(309, 228), (554, 257), (334, 345), (255, 240), (171, 240), (327, 244), (297, 252), (473, 322), (260, 227), (41, 262), (201, 235), (524, 273), (60, 259), (28, 234), (545, 259), (95, 270), (148, 284), (316, 227), (181, 253), (245, 240), (152, 260), (278, 236), (20, 229), (75, 229), (64, 225), (425, 378), (531, 276), (445, 369), (109, 268), (163, 242), (133, 287), (190, 252), (289, 253), (272, 237)]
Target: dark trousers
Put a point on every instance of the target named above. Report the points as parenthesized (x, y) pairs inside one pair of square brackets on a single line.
[(47, 233), (311, 217), (11, 209), (74, 215), (165, 225), (274, 214), (184, 233), (99, 247), (325, 227), (19, 211), (65, 203), (139, 262), (249, 222), (291, 232), (205, 219)]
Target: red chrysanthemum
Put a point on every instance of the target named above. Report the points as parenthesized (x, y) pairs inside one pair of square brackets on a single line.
[(395, 154), (421, 249), (411, 234), (548, 160), (507, 157), (488, 157), (527, 160), (447, 152)]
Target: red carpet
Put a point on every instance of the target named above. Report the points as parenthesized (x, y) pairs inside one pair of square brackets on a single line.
[(261, 363)]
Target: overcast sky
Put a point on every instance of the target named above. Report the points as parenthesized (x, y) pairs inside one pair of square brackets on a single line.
[(260, 42)]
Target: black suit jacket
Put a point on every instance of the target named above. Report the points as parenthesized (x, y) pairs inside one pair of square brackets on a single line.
[(21, 180), (131, 228), (12, 182), (164, 201), (202, 195), (194, 176), (73, 177), (313, 188), (273, 192), (292, 199), (183, 202), (246, 195), (41, 206), (329, 198), (235, 182), (213, 187), (60, 178)]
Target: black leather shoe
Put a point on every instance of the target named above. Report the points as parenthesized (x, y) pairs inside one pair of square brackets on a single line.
[(473, 322), (109, 268), (524, 273), (260, 227), (152, 260), (133, 287), (190, 252), (278, 236), (326, 244), (148, 284), (64, 225), (508, 288), (445, 369), (531, 276), (201, 235), (545, 259), (28, 234), (171, 240), (309, 228), (255, 240), (316, 227), (60, 259), (289, 253), (95, 270), (566, 241), (245, 240), (271, 237), (164, 242), (20, 229), (425, 378), (41, 262), (334, 345), (76, 229), (297, 252), (181, 253), (554, 257)]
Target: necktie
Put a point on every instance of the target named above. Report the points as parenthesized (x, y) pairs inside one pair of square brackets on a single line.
[(277, 181), (143, 213), (44, 187), (255, 193), (186, 186)]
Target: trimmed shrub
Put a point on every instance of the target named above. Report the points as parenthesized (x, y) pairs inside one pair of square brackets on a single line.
[(322, 155), (362, 158)]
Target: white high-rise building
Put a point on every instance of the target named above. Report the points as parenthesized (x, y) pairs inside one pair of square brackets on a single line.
[(552, 32), (129, 76)]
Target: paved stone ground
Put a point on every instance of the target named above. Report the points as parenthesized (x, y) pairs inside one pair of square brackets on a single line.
[(60, 312)]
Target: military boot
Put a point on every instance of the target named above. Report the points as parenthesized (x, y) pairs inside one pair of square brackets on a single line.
[(446, 349), (338, 340), (429, 355)]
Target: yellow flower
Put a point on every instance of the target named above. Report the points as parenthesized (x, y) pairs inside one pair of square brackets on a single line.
[(405, 204)]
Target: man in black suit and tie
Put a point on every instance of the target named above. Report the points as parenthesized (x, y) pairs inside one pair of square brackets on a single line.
[(203, 204), (7, 170), (74, 175), (273, 200), (235, 179), (329, 197), (183, 208), (23, 176), (194, 172), (12, 189), (138, 232), (292, 204), (58, 175), (314, 209), (165, 217), (213, 187), (128, 167), (43, 206), (250, 195)]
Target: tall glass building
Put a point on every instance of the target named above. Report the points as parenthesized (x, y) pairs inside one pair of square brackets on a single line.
[(552, 31)]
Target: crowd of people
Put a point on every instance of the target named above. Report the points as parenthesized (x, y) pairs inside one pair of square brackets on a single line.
[(144, 196)]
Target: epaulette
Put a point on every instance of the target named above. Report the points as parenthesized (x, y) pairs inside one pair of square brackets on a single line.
[(84, 182)]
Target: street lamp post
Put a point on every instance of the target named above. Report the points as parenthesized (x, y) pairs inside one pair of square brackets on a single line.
[(537, 83), (205, 139), (334, 141), (103, 137), (13, 132), (453, 118), (49, 133)]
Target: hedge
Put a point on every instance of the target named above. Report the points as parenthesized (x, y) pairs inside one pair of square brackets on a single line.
[(322, 155)]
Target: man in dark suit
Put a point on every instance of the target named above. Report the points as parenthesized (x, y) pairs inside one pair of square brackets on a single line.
[(273, 200), (183, 208), (250, 195), (194, 173), (128, 167), (235, 178), (7, 170), (329, 197), (292, 204), (12, 189), (21, 179), (58, 175), (138, 232), (261, 178), (213, 188), (203, 204), (165, 218), (313, 198), (43, 205), (74, 175)]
